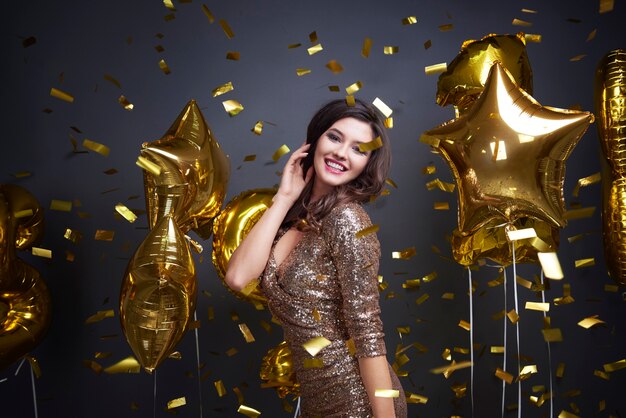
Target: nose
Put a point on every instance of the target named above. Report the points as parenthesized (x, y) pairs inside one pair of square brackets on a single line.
[(341, 151)]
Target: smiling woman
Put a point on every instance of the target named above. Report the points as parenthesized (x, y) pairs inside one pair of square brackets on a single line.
[(319, 275)]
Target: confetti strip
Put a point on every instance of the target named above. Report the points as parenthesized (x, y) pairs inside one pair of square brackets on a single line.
[(61, 205), (372, 145), (66, 97), (247, 334), (367, 231), (550, 265), (226, 28), (302, 71), (354, 87), (590, 322), (334, 67), (315, 49), (175, 403), (390, 50), (436, 68), (232, 107), (127, 365), (519, 234), (219, 387), (405, 254), (104, 235), (208, 13), (315, 345), (164, 67), (387, 393), (446, 28), (411, 20), (96, 147), (223, 89), (519, 22), (41, 252), (282, 150), (538, 306), (112, 79), (125, 212), (125, 103), (367, 47), (247, 411), (233, 56), (99, 316), (148, 165), (384, 109)]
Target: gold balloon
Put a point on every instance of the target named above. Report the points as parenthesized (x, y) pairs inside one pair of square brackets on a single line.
[(158, 294), (610, 105), (277, 371), (25, 305), (508, 155), (465, 77), (232, 225), (189, 158)]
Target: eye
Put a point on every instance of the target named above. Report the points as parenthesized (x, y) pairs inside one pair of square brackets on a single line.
[(333, 137), (358, 150)]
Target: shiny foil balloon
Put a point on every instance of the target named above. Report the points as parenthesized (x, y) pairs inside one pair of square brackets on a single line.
[(465, 77), (158, 294), (610, 105), (187, 155), (25, 305), (277, 371), (232, 225), (508, 155)]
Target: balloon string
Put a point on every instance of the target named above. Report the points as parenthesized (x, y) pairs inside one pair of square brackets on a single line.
[(471, 315), (519, 382), (20, 366), (195, 318), (543, 299), (32, 378), (504, 358), (297, 409), (154, 395)]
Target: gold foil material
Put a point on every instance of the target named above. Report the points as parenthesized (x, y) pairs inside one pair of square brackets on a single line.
[(578, 57), (231, 352), (390, 50), (538, 306), (315, 49), (451, 367), (552, 335), (104, 235), (41, 252), (502, 375), (96, 147), (232, 107), (436, 68), (148, 165), (615, 366), (606, 6), (66, 97), (169, 5), (497, 349), (23, 213), (441, 206), (367, 231), (448, 296), (127, 365), (513, 316), (519, 22), (465, 325), (247, 334), (579, 213), (247, 411), (585, 262), (441, 185), (334, 88), (410, 20), (367, 47), (405, 254), (313, 37), (22, 174), (125, 212), (384, 109), (302, 71), (372, 145), (422, 299), (226, 28), (175, 403), (387, 393), (61, 205), (354, 87), (428, 44), (258, 128), (315, 345), (251, 157), (208, 13), (565, 414), (350, 101), (446, 28), (282, 150), (164, 67), (233, 55), (219, 387), (112, 79), (613, 288), (550, 265), (430, 169), (99, 316), (586, 181), (527, 371), (223, 89), (415, 398), (122, 100), (313, 363), (590, 322)]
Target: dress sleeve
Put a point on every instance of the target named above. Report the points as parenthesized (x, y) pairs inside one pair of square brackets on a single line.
[(356, 260)]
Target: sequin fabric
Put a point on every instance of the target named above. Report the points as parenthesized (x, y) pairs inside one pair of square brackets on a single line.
[(327, 286)]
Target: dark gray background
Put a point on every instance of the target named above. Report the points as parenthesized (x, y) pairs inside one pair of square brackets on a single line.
[(78, 42)]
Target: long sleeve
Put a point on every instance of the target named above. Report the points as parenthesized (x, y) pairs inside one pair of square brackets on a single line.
[(356, 260)]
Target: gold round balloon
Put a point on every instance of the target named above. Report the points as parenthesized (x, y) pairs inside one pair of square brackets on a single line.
[(465, 77), (277, 371), (232, 225), (158, 294), (25, 305), (610, 105), (188, 157), (508, 155)]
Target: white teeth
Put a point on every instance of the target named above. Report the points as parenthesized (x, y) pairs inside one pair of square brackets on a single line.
[(335, 166)]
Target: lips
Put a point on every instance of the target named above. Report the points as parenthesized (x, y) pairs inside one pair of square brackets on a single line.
[(335, 166)]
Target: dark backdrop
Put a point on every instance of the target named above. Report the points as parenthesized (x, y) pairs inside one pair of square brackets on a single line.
[(78, 42)]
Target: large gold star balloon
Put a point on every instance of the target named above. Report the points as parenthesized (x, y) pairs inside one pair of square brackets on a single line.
[(190, 159), (508, 155)]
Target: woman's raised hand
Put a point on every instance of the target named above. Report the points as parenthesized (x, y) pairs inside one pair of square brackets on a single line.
[(293, 179)]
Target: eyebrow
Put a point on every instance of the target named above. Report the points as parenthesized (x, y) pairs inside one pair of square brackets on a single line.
[(342, 135)]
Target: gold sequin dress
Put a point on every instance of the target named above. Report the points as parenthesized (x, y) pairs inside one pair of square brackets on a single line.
[(327, 286)]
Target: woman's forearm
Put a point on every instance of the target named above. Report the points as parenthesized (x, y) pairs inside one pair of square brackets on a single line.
[(375, 375), (249, 259)]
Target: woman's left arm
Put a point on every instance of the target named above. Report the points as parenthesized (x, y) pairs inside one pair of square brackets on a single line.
[(375, 375)]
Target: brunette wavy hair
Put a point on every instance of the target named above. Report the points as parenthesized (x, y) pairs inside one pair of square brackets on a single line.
[(363, 188)]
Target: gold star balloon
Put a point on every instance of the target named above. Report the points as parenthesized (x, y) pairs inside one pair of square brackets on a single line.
[(187, 156), (508, 155)]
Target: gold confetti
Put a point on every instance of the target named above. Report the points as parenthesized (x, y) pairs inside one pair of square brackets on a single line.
[(384, 109), (550, 265), (372, 145), (350, 101), (367, 47), (315, 49), (390, 50), (163, 66), (66, 97), (613, 288), (438, 184), (313, 37), (239, 395), (615, 366), (565, 414), (175, 403), (441, 206), (169, 5), (208, 13), (316, 315), (250, 157), (436, 68), (293, 46), (247, 334), (560, 370), (502, 375), (302, 71), (601, 374), (529, 11), (577, 57), (552, 335), (315, 345), (354, 87), (410, 20), (232, 107), (387, 393), (465, 325), (606, 6), (258, 128), (451, 367), (448, 296), (112, 79), (388, 123), (41, 252), (422, 299), (231, 352), (22, 174), (233, 55), (513, 316), (335, 89), (429, 169), (69, 256), (93, 365), (99, 316), (579, 213), (412, 284), (535, 38), (585, 262), (367, 231), (219, 387), (61, 205), (429, 277), (592, 35), (247, 411), (226, 28), (282, 150), (404, 254), (223, 89), (538, 306), (446, 28), (590, 322), (23, 213), (127, 365), (104, 235), (313, 363), (497, 349), (96, 147), (415, 398), (148, 165)]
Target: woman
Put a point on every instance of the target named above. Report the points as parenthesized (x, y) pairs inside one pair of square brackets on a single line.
[(319, 275)]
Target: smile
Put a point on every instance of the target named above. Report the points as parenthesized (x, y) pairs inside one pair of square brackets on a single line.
[(335, 166)]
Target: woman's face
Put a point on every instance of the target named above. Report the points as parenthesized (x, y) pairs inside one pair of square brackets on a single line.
[(338, 159)]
